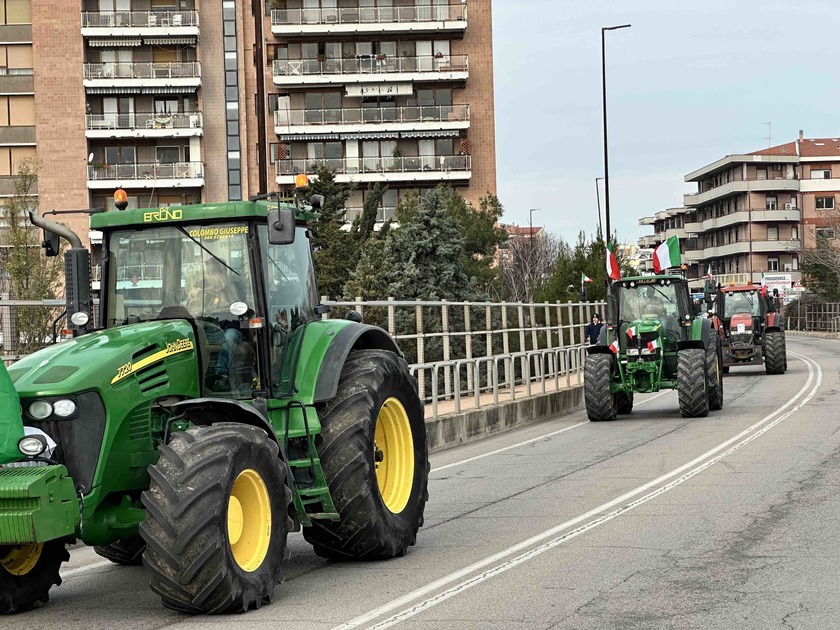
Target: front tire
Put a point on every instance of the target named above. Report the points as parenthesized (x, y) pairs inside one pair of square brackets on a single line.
[(714, 372), (601, 403), (775, 353), (28, 572), (624, 402), (373, 451), (692, 383), (217, 519)]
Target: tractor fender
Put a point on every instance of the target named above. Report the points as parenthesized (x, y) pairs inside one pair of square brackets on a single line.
[(770, 329), (701, 331), (598, 350), (207, 411), (352, 337)]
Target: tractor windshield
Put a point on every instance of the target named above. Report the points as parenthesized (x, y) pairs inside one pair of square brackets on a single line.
[(162, 272), (741, 302), (647, 301)]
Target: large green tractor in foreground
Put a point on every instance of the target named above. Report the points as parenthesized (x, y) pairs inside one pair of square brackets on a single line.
[(209, 412), (653, 341)]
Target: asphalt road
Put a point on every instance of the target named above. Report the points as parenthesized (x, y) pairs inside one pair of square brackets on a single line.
[(652, 521)]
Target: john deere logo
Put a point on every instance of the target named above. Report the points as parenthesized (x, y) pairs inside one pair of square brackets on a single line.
[(164, 214)]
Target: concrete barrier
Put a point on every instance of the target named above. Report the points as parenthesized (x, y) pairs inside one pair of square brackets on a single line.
[(475, 424)]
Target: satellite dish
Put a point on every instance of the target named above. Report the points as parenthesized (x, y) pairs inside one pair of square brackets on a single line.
[(90, 158)]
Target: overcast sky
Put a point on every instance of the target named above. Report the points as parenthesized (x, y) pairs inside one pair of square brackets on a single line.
[(688, 83)]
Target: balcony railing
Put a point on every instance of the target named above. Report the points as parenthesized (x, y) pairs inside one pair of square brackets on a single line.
[(353, 166), (370, 64), (369, 15), (372, 115), (143, 70), (139, 19), (139, 120), (151, 171), (382, 214)]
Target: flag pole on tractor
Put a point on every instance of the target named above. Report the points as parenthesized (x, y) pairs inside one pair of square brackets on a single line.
[(584, 296), (613, 271), (709, 275), (667, 255)]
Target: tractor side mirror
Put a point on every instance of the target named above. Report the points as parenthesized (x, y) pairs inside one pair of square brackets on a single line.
[(50, 243), (281, 226), (317, 202)]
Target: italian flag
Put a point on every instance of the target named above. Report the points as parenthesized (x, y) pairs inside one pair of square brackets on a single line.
[(763, 285), (612, 263), (709, 273), (667, 255), (584, 278), (653, 345), (631, 331), (614, 346)]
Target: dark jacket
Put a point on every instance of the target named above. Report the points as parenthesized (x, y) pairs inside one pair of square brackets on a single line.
[(592, 332)]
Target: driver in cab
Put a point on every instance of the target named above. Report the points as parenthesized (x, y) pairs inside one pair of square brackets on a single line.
[(650, 303)]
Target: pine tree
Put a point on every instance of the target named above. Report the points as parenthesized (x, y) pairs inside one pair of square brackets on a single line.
[(331, 247)]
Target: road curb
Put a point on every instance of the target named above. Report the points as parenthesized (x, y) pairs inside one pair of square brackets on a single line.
[(815, 335), (468, 426)]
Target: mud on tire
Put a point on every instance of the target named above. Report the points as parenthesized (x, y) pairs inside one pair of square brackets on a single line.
[(368, 529), (22, 587), (188, 530), (692, 383)]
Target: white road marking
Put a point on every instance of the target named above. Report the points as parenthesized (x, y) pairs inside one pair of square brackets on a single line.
[(86, 568), (535, 439), (683, 471)]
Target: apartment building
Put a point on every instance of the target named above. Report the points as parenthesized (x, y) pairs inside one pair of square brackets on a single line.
[(183, 101), (754, 213), (667, 223), (392, 91)]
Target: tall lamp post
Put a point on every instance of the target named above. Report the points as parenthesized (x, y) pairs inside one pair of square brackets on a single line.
[(598, 198), (531, 253), (604, 29)]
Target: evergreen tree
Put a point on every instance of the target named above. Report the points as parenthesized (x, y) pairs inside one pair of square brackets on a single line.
[(332, 248)]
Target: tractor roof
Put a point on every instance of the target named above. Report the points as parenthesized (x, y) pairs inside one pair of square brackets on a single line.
[(198, 213), (741, 289), (651, 279)]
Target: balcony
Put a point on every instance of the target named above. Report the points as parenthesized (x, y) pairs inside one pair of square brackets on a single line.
[(369, 69), (133, 24), (450, 19), (651, 240), (741, 186), (382, 215), (452, 168), (180, 76), (300, 122), (154, 175), (143, 125)]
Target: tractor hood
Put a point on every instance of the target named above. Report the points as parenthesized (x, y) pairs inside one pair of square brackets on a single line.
[(101, 359), (11, 428), (741, 323)]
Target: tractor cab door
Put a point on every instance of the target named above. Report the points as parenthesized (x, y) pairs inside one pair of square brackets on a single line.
[(291, 297)]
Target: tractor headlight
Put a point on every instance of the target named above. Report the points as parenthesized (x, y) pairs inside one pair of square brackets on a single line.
[(64, 408), (40, 410), (32, 445), (648, 351), (632, 352)]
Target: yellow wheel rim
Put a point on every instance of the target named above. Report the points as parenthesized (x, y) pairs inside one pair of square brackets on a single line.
[(249, 520), (21, 560), (393, 455)]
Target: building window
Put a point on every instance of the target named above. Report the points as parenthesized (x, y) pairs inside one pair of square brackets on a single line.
[(827, 233), (772, 233), (794, 263), (794, 232), (820, 173), (772, 264), (771, 203), (825, 203), (761, 173)]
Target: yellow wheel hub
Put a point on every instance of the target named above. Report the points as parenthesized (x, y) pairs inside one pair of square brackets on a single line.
[(20, 560), (249, 520), (393, 451)]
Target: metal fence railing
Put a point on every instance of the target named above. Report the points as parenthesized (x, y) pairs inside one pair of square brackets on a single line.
[(824, 317)]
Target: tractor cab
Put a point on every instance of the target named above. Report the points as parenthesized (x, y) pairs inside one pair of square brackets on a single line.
[(245, 297)]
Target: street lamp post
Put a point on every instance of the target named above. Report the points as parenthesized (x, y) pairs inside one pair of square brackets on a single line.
[(598, 198), (604, 29), (531, 253)]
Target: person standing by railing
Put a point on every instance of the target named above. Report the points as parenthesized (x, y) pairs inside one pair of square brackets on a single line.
[(593, 329)]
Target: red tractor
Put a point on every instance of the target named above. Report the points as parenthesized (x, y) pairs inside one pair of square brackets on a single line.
[(750, 323)]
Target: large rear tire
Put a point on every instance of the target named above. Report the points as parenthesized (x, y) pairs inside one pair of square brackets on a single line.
[(601, 404), (714, 371), (692, 383), (217, 519), (126, 551), (624, 402), (775, 353), (373, 451), (28, 572)]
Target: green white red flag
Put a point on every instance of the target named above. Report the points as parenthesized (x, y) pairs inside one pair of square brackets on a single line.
[(631, 331), (709, 273), (612, 263), (614, 346), (584, 278), (667, 255), (763, 285), (653, 345)]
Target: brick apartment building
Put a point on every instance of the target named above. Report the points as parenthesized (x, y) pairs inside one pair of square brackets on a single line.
[(182, 101), (754, 213)]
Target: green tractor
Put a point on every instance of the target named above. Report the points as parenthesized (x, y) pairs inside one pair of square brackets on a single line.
[(208, 412), (653, 341)]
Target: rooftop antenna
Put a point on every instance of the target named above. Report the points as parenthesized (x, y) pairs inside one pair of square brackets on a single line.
[(769, 134)]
